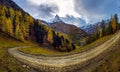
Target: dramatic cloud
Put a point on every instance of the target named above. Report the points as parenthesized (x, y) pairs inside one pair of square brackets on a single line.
[(93, 10), (82, 11), (74, 20), (66, 7), (47, 10)]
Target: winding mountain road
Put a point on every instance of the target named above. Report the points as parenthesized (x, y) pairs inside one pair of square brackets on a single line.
[(70, 63)]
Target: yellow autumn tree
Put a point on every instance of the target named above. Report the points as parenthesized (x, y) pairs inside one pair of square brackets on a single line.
[(12, 15), (2, 10), (2, 22), (50, 36), (9, 27), (2, 17), (18, 32), (28, 20), (114, 23)]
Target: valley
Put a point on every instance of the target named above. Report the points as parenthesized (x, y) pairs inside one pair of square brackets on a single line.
[(59, 36)]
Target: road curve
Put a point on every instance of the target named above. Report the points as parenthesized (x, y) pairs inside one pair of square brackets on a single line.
[(68, 63)]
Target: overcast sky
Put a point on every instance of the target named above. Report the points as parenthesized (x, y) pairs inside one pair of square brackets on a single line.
[(89, 10)]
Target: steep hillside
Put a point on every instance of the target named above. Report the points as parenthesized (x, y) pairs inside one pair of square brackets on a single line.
[(21, 26), (75, 33), (10, 4)]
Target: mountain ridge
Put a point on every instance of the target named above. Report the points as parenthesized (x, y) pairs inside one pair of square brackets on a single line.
[(90, 29), (67, 19)]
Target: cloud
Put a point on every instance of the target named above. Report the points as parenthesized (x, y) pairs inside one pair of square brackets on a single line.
[(47, 10), (74, 20), (66, 7), (39, 9), (90, 11), (93, 10)]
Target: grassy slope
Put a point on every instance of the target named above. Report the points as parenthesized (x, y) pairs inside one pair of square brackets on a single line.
[(47, 51), (7, 62), (111, 63)]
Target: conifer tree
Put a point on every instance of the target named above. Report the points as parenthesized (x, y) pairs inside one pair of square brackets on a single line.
[(12, 14), (114, 24)]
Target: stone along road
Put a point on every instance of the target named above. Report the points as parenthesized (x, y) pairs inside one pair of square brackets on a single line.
[(70, 63)]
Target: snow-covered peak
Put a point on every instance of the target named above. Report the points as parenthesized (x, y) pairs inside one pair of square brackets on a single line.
[(68, 20), (57, 19)]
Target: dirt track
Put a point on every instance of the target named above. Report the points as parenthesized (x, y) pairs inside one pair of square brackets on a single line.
[(70, 63)]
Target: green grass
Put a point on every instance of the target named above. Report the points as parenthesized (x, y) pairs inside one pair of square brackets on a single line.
[(52, 52), (93, 44), (7, 62), (40, 50), (111, 63)]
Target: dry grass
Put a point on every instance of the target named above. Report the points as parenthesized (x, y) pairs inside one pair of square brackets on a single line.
[(111, 63), (7, 62)]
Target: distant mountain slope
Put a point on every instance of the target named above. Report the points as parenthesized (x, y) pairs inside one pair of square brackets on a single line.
[(90, 29), (75, 33), (65, 28)]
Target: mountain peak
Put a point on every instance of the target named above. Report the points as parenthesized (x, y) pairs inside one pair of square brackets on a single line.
[(57, 19)]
